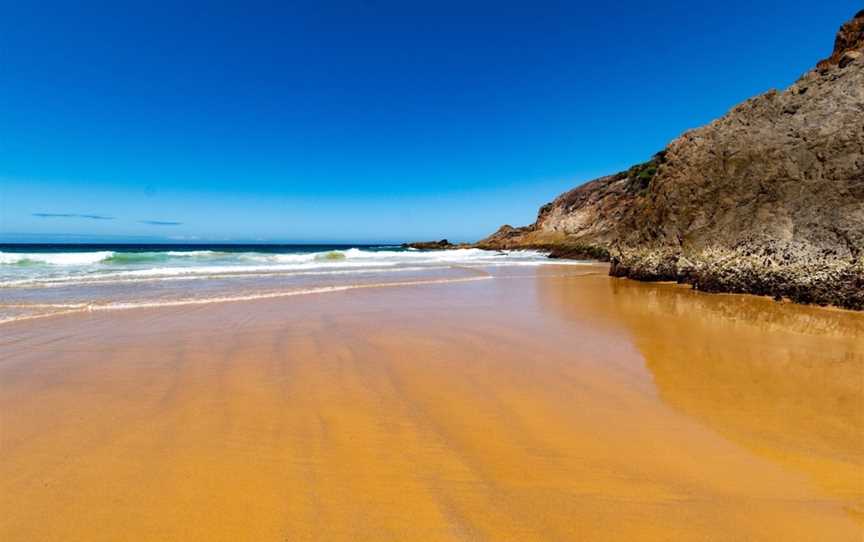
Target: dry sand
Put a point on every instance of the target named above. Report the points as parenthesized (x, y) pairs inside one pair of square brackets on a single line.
[(548, 405)]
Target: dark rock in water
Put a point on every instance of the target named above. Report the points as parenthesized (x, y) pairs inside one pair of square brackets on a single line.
[(768, 199), (430, 245)]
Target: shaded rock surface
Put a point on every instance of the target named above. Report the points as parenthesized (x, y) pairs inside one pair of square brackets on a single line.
[(768, 199)]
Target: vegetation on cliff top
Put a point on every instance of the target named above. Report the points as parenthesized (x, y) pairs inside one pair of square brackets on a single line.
[(640, 176)]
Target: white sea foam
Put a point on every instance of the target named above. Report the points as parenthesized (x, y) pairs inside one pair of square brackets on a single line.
[(192, 253), (34, 269), (54, 258), (40, 284), (128, 277)]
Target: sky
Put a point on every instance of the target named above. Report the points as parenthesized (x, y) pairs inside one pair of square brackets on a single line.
[(359, 121)]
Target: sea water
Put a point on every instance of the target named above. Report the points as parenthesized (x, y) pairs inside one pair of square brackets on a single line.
[(44, 280)]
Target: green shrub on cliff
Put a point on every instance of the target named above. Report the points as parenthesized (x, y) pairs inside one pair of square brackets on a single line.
[(640, 176)]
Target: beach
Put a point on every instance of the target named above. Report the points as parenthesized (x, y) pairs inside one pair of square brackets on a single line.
[(527, 402)]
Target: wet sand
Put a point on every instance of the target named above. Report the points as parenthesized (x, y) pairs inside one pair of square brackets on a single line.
[(549, 404)]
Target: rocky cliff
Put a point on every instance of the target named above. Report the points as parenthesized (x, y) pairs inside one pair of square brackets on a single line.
[(768, 199)]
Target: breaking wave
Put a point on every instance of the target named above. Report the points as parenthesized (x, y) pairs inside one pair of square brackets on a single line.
[(35, 284)]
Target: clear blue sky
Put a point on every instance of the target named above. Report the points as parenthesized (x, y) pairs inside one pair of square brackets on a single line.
[(360, 120)]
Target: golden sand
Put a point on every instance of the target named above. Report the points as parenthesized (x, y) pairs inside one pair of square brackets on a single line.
[(546, 406)]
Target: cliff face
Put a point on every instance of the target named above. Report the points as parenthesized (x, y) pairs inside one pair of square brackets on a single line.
[(768, 199)]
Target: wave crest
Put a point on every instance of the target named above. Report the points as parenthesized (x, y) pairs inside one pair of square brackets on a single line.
[(54, 258)]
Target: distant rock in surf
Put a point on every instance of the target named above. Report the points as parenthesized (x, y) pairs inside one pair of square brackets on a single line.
[(430, 245)]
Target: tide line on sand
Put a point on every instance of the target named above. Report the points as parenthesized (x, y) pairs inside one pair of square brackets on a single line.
[(92, 307)]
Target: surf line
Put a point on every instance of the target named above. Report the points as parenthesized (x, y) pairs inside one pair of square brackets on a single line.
[(250, 297)]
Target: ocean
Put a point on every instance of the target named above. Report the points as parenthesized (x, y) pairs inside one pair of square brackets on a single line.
[(48, 279)]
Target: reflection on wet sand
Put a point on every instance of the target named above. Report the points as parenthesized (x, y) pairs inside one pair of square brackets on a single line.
[(783, 380)]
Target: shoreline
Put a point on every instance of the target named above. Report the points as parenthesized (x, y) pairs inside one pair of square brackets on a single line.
[(41, 282), (91, 308), (601, 268)]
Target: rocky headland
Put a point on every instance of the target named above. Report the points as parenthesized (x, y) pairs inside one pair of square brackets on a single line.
[(768, 199)]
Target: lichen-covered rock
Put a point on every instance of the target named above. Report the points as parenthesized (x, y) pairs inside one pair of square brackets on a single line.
[(768, 199)]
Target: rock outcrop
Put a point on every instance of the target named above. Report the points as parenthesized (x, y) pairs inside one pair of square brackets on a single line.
[(768, 199), (443, 244)]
